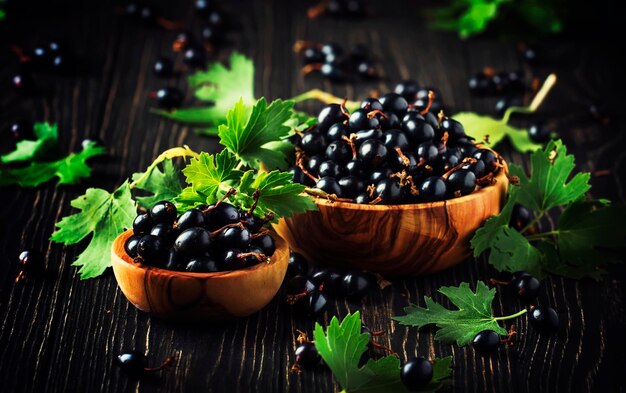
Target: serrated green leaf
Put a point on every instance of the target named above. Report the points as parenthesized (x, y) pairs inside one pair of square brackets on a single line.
[(188, 199), (342, 346), (586, 231), (483, 238), (27, 150), (162, 185), (478, 127), (222, 88), (69, 170), (549, 184), (278, 194), (247, 137), (512, 252), (208, 172), (474, 314), (105, 216)]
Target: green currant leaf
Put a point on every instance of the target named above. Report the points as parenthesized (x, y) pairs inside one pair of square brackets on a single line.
[(47, 138), (211, 175), (278, 194), (69, 170), (247, 136), (163, 185), (222, 88), (342, 346), (474, 314), (478, 127), (549, 184), (103, 215)]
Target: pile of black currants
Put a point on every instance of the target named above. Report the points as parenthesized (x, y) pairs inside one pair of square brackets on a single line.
[(307, 292), (334, 63), (49, 57), (392, 150), (212, 238)]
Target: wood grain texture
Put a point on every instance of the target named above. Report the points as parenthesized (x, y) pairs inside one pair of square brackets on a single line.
[(61, 334), (393, 240), (198, 296)]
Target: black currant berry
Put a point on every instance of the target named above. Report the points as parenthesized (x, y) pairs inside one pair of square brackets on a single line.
[(350, 186), (356, 284), (329, 279), (313, 143), (407, 89), (163, 212), (152, 250), (329, 185), (331, 114), (297, 265), (432, 189), (202, 264), (394, 102), (527, 288), (486, 342), (396, 139), (489, 158), (220, 215), (337, 131), (372, 153), (339, 152), (232, 260), (193, 241), (371, 104), (266, 244), (132, 363), (307, 356), (169, 97), (191, 218), (142, 224), (539, 132), (330, 169), (131, 246), (163, 68), (521, 217), (461, 182), (389, 191), (416, 373), (165, 232), (176, 261), (360, 120), (544, 319), (194, 57)]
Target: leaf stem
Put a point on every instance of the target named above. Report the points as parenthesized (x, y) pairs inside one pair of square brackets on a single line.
[(174, 152), (327, 98), (536, 102), (517, 314), (533, 222), (542, 235)]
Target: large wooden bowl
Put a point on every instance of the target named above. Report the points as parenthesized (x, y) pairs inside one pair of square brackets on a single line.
[(396, 240), (182, 295)]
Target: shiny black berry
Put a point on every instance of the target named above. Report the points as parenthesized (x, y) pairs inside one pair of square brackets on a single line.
[(544, 319), (416, 373)]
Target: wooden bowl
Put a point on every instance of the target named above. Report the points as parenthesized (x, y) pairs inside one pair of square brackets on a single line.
[(183, 295), (396, 240)]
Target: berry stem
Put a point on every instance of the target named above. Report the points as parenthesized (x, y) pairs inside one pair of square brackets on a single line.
[(260, 257), (168, 154), (255, 196), (326, 98), (542, 235), (168, 362), (431, 98), (517, 314), (536, 102), (235, 225), (533, 222)]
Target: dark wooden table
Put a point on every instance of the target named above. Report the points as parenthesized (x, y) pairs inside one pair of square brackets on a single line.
[(60, 334)]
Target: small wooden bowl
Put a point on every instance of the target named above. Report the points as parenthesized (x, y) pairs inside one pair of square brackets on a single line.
[(396, 240), (221, 295)]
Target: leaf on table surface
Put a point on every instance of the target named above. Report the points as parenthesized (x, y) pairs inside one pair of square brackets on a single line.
[(341, 347), (474, 314), (550, 183), (47, 137), (586, 233), (69, 170), (162, 185), (103, 215), (247, 136), (222, 88), (478, 127)]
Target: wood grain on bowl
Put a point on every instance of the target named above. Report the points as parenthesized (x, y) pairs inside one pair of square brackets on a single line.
[(221, 295), (396, 240)]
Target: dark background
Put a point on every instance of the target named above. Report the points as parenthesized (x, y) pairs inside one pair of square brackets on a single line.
[(60, 334)]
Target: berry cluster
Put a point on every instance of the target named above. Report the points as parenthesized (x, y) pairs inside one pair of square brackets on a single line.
[(212, 31), (391, 152), (308, 294), (337, 8), (50, 57), (211, 238), (332, 61), (544, 319)]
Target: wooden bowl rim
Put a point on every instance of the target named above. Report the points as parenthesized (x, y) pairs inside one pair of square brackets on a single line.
[(417, 206), (118, 244)]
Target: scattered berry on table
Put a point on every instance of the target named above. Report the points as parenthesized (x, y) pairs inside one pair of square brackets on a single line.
[(486, 342), (416, 373)]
